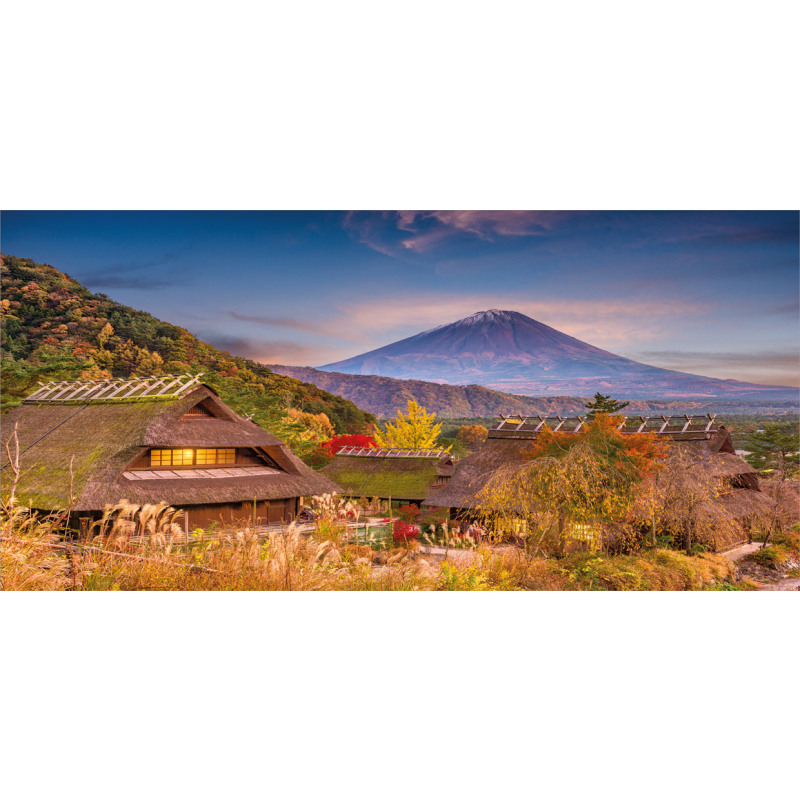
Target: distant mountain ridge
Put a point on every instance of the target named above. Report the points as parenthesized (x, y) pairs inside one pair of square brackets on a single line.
[(510, 352), (385, 396)]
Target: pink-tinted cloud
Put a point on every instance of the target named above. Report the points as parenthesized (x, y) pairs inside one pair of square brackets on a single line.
[(428, 229), (371, 228), (483, 224), (604, 323), (776, 367), (272, 351), (283, 322)]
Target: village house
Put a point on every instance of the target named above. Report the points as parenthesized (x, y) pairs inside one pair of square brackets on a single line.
[(399, 476), (707, 443), (86, 445)]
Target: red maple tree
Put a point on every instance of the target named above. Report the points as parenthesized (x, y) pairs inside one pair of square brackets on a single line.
[(332, 446)]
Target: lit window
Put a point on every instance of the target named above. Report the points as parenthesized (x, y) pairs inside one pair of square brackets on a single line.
[(203, 456), (206, 456), (221, 455), (226, 455), (160, 458), (171, 458), (182, 458)]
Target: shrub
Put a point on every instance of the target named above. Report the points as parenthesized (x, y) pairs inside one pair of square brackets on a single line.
[(403, 531), (332, 446), (773, 556), (408, 513), (430, 520)]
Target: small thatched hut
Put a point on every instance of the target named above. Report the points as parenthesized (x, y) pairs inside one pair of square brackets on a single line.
[(404, 476), (85, 445), (707, 442)]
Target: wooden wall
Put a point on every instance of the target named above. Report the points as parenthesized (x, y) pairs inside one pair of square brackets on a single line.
[(267, 512)]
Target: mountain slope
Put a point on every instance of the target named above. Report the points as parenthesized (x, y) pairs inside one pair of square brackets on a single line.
[(53, 328), (510, 352), (385, 396)]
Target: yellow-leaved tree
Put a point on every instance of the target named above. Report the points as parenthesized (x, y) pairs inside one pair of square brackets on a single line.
[(414, 430)]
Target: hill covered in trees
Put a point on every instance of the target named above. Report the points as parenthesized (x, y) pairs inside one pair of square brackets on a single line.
[(385, 396), (53, 328)]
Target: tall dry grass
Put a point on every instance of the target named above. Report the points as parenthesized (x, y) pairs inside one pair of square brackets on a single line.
[(35, 556)]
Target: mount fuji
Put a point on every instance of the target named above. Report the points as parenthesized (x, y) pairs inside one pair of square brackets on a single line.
[(510, 352)]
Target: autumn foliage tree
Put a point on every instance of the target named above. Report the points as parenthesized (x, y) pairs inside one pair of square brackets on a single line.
[(413, 430), (471, 437), (333, 445), (680, 501), (571, 483), (632, 454)]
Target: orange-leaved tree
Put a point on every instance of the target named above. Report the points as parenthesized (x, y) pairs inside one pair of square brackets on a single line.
[(633, 455), (572, 482)]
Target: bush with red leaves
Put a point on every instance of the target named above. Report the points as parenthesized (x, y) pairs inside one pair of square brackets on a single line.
[(403, 531), (332, 446), (408, 513)]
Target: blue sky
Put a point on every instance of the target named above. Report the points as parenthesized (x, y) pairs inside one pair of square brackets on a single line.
[(713, 293)]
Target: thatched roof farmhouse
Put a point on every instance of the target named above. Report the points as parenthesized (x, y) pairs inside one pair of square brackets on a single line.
[(707, 442), (405, 476), (85, 445)]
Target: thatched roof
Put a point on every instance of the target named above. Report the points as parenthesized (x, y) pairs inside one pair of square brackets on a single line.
[(398, 475), (744, 504), (101, 439), (504, 448), (473, 472)]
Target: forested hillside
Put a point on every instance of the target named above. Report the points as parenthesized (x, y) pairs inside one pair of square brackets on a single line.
[(53, 328), (384, 396)]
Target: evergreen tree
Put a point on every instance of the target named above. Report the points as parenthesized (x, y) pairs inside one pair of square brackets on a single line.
[(604, 404), (776, 447)]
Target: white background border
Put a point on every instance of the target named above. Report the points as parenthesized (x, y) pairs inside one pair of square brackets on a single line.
[(617, 105)]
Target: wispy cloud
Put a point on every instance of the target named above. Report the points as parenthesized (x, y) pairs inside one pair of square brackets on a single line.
[(135, 274), (392, 232), (483, 224), (103, 280), (373, 229), (780, 367), (748, 234), (271, 351), (604, 323), (790, 307), (282, 322)]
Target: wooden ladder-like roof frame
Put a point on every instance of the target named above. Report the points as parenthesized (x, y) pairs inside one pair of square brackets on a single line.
[(153, 387)]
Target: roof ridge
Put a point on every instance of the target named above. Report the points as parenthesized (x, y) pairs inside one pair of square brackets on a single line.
[(392, 452), (115, 390)]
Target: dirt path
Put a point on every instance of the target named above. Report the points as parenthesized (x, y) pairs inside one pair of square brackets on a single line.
[(785, 585), (737, 553), (781, 585)]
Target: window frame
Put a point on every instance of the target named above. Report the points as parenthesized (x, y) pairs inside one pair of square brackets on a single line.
[(231, 457)]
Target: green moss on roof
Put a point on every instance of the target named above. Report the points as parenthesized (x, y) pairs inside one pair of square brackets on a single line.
[(403, 478), (105, 438)]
